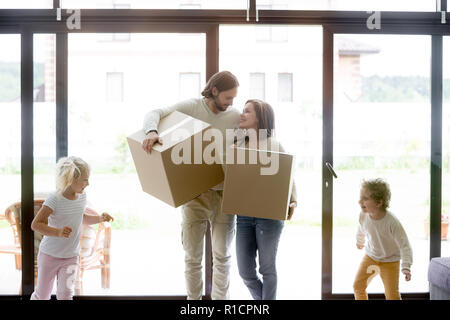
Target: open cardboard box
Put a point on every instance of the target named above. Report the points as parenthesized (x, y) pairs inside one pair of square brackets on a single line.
[(250, 189), (161, 176)]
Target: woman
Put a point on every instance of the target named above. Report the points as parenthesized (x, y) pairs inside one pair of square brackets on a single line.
[(257, 235)]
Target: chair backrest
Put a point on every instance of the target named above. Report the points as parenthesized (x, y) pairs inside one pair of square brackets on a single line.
[(90, 238), (94, 242), (14, 214)]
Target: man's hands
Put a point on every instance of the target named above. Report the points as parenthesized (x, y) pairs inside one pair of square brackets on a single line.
[(150, 140), (292, 206), (359, 246), (64, 232)]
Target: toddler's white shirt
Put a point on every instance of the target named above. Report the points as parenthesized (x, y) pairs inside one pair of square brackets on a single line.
[(386, 239)]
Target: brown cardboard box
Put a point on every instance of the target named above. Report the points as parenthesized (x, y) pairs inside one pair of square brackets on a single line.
[(163, 178), (248, 192)]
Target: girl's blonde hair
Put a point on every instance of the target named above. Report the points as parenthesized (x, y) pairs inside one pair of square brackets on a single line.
[(68, 169), (379, 190)]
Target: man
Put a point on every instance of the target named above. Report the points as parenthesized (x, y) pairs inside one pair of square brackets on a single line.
[(215, 109)]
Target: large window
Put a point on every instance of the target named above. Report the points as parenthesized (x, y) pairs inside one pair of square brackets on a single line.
[(381, 130), (156, 4), (189, 85), (26, 4), (10, 180), (44, 113), (44, 124), (352, 5), (299, 129), (147, 256)]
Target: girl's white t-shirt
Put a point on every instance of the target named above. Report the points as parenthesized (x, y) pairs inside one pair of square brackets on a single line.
[(65, 213)]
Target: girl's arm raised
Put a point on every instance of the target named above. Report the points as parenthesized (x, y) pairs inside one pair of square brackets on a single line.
[(90, 218), (40, 224), (93, 218)]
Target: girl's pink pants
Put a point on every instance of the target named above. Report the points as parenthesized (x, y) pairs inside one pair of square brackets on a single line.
[(49, 268)]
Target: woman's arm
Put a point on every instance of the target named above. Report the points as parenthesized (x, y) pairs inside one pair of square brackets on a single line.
[(40, 225), (276, 146)]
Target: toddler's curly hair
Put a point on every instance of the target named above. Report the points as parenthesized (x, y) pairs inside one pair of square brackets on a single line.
[(379, 190)]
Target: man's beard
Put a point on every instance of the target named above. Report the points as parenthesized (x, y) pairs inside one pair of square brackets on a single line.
[(218, 105)]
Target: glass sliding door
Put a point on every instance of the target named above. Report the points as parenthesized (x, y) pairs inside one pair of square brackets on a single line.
[(26, 4), (44, 122), (111, 86), (283, 66), (382, 119), (45, 114), (348, 5), (155, 4)]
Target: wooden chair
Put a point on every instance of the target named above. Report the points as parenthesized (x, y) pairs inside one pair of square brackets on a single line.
[(94, 253)]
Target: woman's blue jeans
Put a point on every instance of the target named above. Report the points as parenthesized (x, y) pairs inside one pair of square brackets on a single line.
[(257, 235)]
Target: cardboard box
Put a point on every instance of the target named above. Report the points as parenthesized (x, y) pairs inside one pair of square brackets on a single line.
[(172, 182), (249, 191)]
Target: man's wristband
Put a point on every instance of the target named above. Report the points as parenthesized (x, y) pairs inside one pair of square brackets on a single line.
[(150, 130)]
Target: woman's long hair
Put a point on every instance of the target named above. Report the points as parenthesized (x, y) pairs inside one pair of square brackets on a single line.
[(265, 116), (266, 121)]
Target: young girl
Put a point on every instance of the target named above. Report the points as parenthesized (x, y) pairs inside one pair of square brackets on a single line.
[(257, 236), (387, 242), (60, 220)]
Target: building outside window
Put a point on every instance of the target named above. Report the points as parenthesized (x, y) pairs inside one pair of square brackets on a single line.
[(257, 85), (114, 86), (285, 87)]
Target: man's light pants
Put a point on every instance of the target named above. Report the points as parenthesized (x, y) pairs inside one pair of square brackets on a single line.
[(196, 213)]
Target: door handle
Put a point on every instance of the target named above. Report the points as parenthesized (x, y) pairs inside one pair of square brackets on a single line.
[(330, 167)]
